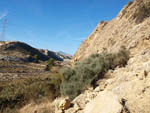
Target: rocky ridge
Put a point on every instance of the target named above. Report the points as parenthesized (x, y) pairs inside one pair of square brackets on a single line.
[(25, 52)]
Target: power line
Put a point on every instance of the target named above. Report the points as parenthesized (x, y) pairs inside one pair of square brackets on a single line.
[(2, 35)]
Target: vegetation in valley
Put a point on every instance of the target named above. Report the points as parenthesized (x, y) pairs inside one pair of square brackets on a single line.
[(32, 83), (19, 92)]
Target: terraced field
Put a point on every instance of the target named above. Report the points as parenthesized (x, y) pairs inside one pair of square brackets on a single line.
[(10, 70)]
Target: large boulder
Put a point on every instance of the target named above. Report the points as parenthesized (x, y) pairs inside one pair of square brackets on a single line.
[(105, 102)]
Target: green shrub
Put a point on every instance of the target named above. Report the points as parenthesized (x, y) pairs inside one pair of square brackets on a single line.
[(36, 58), (51, 62), (88, 71)]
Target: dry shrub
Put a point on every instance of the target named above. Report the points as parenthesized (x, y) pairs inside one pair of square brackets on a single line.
[(89, 71)]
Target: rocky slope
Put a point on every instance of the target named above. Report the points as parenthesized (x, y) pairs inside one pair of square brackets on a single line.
[(124, 89), (130, 29)]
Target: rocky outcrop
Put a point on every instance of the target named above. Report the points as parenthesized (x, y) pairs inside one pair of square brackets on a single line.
[(130, 29)]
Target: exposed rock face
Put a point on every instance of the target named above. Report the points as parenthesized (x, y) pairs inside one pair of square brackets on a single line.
[(125, 89), (130, 29)]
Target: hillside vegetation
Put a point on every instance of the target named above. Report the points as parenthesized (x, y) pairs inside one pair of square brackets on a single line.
[(90, 70), (20, 92), (26, 88)]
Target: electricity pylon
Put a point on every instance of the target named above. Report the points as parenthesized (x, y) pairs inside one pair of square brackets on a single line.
[(2, 35)]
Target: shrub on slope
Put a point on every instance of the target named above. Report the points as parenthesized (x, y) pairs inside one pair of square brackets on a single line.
[(88, 71)]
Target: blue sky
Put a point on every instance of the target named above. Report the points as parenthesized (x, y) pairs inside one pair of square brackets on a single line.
[(58, 25)]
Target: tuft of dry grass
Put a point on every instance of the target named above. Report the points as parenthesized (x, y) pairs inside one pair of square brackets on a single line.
[(43, 107)]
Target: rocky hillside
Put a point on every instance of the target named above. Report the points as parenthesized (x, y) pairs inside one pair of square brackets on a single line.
[(15, 50), (123, 89), (130, 29)]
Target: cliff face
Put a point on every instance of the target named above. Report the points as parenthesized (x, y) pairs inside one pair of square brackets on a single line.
[(130, 29)]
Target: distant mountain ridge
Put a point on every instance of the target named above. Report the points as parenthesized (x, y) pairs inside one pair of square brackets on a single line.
[(64, 55), (25, 51)]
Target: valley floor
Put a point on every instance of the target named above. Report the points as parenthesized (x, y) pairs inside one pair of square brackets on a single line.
[(28, 84)]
